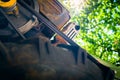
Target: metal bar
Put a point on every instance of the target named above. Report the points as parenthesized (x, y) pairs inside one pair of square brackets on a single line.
[(48, 23), (11, 23)]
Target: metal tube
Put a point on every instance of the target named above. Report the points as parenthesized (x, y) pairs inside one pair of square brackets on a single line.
[(11, 23), (48, 23)]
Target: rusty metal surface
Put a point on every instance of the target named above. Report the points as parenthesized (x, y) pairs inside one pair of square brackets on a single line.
[(53, 10)]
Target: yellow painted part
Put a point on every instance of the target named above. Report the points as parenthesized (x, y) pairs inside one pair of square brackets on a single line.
[(16, 12), (7, 4)]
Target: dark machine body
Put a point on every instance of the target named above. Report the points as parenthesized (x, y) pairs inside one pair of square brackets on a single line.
[(26, 51)]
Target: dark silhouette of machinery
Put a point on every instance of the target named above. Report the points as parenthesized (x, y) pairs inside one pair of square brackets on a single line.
[(27, 51)]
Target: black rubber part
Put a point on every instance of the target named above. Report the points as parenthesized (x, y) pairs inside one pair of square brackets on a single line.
[(37, 59)]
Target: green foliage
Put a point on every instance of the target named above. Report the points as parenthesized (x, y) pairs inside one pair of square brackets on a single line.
[(100, 28)]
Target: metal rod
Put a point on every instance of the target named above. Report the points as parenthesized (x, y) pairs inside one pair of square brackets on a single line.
[(13, 26), (48, 24)]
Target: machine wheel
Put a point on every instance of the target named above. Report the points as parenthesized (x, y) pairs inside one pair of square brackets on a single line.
[(37, 59)]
